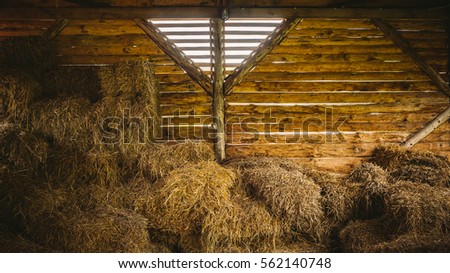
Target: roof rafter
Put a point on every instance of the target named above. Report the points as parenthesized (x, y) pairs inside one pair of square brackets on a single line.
[(57, 27), (175, 54), (130, 13), (263, 49), (406, 47)]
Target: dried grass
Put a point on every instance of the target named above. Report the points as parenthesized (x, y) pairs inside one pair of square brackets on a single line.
[(361, 236), (17, 91), (68, 121), (82, 82), (243, 224), (164, 158), (419, 208), (101, 230), (34, 56), (291, 196), (412, 165), (415, 243), (374, 186), (299, 245), (189, 194), (11, 242)]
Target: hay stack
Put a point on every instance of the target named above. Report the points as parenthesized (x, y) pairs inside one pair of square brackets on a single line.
[(290, 195), (68, 121), (374, 186), (419, 208), (164, 158), (411, 165), (101, 230), (10, 242), (242, 225), (189, 194), (415, 243), (299, 245), (361, 236), (80, 82), (34, 56), (17, 91)]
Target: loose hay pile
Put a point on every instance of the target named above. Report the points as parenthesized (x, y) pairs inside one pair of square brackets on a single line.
[(10, 242), (415, 166)]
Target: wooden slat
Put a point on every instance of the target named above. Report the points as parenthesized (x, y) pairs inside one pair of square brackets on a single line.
[(177, 56), (199, 109), (111, 59), (303, 150), (77, 50), (248, 86), (185, 98), (338, 109), (336, 41), (338, 97), (409, 50), (329, 49), (337, 76), (352, 67), (57, 27)]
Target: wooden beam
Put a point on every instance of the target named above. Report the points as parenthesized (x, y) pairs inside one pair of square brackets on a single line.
[(176, 54), (129, 13), (218, 74), (238, 75), (425, 131), (406, 47), (57, 27)]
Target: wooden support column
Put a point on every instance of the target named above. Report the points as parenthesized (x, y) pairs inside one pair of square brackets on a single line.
[(175, 54), (430, 127), (238, 75), (405, 46), (57, 27), (218, 74)]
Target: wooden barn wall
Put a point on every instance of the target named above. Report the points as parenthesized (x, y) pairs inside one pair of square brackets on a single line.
[(344, 76)]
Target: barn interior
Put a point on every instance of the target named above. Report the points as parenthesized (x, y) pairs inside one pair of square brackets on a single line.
[(274, 126)]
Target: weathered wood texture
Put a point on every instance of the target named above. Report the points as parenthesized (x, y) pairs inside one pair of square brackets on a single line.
[(335, 89)]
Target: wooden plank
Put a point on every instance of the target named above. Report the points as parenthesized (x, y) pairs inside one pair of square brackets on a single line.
[(327, 23), (337, 97), (189, 86), (177, 56), (198, 109), (317, 138), (57, 27), (410, 51), (291, 41), (337, 76), (80, 50), (248, 86), (330, 49), (428, 129), (218, 76), (339, 109), (303, 150), (263, 49), (371, 33), (299, 58), (185, 98), (119, 13), (111, 59), (352, 67)]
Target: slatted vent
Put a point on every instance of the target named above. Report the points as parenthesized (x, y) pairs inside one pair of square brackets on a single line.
[(242, 37)]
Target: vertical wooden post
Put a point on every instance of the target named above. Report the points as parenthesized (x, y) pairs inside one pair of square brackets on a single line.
[(218, 74)]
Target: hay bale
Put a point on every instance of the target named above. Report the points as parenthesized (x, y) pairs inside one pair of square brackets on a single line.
[(11, 242), (73, 82), (68, 121), (361, 236), (415, 243), (412, 165), (125, 124), (291, 196), (164, 158), (101, 230), (34, 56), (374, 186), (419, 208), (299, 245), (17, 91), (134, 79), (243, 224), (189, 194)]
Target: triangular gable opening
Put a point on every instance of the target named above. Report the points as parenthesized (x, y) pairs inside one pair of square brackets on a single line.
[(193, 38)]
